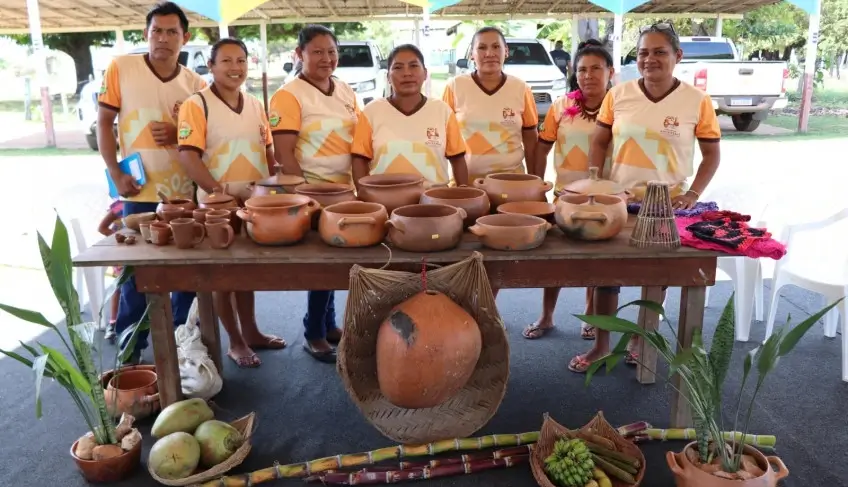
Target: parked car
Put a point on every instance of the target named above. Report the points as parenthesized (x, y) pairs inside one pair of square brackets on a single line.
[(192, 56), (745, 90)]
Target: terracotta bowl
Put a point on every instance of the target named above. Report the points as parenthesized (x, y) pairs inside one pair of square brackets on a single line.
[(425, 228), (133, 221), (391, 190), (510, 231), (541, 209), (474, 201), (109, 470)]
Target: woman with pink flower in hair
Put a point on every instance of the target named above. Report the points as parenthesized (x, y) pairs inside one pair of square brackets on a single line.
[(568, 129)]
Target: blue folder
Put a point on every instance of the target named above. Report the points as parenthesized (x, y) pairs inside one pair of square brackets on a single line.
[(131, 165)]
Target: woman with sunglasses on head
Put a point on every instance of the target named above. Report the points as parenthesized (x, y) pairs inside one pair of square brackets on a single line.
[(568, 128), (652, 125), (312, 119), (407, 133)]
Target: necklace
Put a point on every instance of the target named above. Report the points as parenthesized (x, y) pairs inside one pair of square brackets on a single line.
[(579, 107), (590, 114)]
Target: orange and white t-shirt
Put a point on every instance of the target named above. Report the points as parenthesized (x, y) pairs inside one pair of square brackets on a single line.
[(492, 122), (654, 139), (420, 142), (324, 124), (232, 141), (140, 96), (571, 137)]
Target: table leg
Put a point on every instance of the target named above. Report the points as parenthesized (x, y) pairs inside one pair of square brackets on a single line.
[(691, 322), (210, 333), (648, 321), (164, 348)]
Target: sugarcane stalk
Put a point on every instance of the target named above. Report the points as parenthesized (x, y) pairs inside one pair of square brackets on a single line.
[(612, 470), (759, 441), (622, 457), (633, 429), (622, 465), (467, 458), (305, 469)]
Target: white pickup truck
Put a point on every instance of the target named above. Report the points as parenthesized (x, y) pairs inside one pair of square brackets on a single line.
[(745, 90)]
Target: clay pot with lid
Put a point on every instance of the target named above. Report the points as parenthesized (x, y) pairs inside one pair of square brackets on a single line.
[(687, 474), (218, 201), (596, 185), (426, 228), (511, 231), (474, 201), (590, 217), (279, 183), (391, 190), (278, 219), (326, 194), (353, 224), (506, 187)]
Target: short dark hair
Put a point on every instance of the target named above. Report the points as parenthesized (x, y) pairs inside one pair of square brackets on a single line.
[(312, 31), (666, 29), (406, 48), (589, 47), (224, 42), (485, 30), (167, 8)]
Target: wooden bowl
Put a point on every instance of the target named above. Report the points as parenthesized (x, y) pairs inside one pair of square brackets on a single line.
[(133, 221), (541, 209)]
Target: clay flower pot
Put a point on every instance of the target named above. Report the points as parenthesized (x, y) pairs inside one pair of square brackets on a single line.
[(541, 209), (391, 190), (110, 470), (592, 217), (506, 187), (474, 201), (596, 185), (279, 219), (426, 228), (353, 224), (687, 474), (510, 231), (131, 390)]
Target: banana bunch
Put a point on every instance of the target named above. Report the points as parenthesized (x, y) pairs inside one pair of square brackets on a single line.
[(570, 464)]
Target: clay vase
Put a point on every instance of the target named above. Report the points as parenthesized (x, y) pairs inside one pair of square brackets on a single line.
[(596, 185), (187, 207), (474, 201), (506, 187), (541, 209), (592, 217), (160, 233), (133, 391), (511, 231), (326, 194), (391, 190), (218, 201), (187, 233), (278, 219), (687, 474), (353, 224), (426, 228), (219, 232), (110, 470)]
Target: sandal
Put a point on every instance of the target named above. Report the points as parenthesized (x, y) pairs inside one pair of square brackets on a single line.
[(271, 343), (328, 357), (579, 365), (534, 331), (587, 332), (631, 358), (334, 336), (249, 362)]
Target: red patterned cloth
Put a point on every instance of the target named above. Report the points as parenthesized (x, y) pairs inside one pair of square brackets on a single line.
[(728, 232)]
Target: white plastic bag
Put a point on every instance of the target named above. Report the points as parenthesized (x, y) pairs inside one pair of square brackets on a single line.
[(199, 377)]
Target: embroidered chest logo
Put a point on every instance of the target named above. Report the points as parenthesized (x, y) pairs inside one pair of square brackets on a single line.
[(274, 118), (184, 130), (263, 135), (175, 111), (433, 137), (671, 127), (508, 116)]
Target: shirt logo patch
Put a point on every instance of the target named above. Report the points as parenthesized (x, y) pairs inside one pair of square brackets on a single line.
[(433, 139), (274, 118), (103, 87), (508, 116), (350, 110), (670, 127), (184, 131)]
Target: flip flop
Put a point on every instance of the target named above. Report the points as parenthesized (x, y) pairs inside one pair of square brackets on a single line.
[(534, 331), (328, 357), (587, 332), (337, 339), (272, 343), (250, 362), (579, 365), (631, 358)]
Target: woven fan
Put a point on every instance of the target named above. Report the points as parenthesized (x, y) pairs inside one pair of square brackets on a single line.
[(655, 225)]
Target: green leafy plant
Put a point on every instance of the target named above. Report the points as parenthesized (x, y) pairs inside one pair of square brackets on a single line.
[(702, 372), (78, 375)]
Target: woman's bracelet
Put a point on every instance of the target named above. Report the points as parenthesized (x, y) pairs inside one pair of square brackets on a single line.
[(697, 194)]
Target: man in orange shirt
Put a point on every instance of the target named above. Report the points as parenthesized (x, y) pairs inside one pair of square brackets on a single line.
[(144, 92)]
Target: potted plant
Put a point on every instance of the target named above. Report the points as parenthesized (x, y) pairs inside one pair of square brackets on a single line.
[(110, 451), (711, 461)]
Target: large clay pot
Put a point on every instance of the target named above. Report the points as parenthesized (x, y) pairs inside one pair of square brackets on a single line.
[(590, 217), (353, 224), (506, 187), (427, 349), (132, 391), (187, 206), (218, 201), (326, 194), (278, 219), (541, 209), (142, 408), (426, 228), (596, 185), (391, 190), (511, 231), (110, 470), (474, 201), (687, 474)]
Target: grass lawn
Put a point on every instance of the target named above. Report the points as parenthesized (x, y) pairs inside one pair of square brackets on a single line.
[(829, 126), (45, 152)]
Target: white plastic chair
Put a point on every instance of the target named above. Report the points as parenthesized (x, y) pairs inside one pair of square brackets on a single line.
[(820, 266), (95, 280)]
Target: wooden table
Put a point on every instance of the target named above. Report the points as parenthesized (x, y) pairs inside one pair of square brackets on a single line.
[(312, 265)]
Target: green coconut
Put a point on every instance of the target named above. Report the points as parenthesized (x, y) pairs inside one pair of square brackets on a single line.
[(218, 441), (175, 456), (183, 416)]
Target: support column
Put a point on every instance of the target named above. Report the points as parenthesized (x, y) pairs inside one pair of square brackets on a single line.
[(575, 34), (263, 60), (120, 47), (810, 67), (34, 17), (223, 30), (617, 36), (425, 47), (719, 25)]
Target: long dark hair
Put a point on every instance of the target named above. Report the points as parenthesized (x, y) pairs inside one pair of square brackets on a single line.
[(406, 48), (224, 42), (312, 31), (589, 47)]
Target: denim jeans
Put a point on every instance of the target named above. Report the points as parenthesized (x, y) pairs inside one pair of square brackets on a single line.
[(132, 303), (320, 314)]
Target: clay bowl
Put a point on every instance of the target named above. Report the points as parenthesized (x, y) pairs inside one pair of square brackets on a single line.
[(590, 217), (541, 209), (353, 224), (326, 194), (474, 201), (426, 228), (187, 206), (391, 190), (511, 231), (109, 470), (507, 187), (279, 219), (133, 221)]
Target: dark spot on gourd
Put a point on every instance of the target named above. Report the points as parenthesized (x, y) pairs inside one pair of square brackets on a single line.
[(404, 326)]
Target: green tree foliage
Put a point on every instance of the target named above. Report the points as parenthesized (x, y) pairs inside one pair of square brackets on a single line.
[(278, 32)]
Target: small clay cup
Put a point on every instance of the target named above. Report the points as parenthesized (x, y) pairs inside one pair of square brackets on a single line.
[(219, 232), (218, 214), (235, 221), (187, 232), (160, 233), (170, 214), (144, 228), (199, 214)]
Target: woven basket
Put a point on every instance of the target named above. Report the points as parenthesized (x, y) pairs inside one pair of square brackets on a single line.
[(245, 427), (552, 431), (374, 292)]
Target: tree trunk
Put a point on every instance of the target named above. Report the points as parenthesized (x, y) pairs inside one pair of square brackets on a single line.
[(213, 34)]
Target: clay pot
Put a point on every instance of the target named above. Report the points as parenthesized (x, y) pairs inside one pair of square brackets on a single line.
[(278, 219), (132, 391), (541, 209), (110, 470), (426, 228), (590, 217), (506, 187), (474, 201), (686, 474), (134, 221), (188, 233), (596, 185), (391, 190), (353, 224), (326, 194), (187, 206), (219, 232), (218, 201), (279, 183), (160, 233), (511, 231)]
